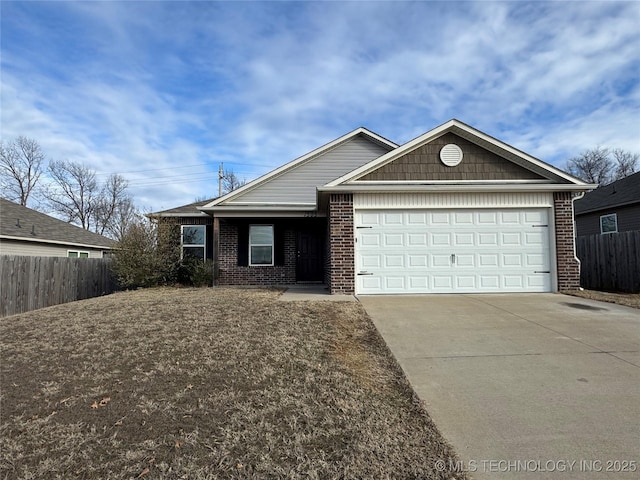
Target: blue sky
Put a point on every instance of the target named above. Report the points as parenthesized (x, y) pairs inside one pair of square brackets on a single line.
[(162, 92)]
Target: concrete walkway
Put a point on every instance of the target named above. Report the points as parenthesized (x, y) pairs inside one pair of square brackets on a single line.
[(312, 292), (523, 385)]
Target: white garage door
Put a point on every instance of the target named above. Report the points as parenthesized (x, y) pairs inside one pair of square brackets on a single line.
[(452, 251)]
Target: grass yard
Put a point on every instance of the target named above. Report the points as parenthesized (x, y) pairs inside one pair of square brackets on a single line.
[(207, 384)]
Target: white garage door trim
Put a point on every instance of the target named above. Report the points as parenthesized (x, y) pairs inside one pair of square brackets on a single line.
[(454, 250)]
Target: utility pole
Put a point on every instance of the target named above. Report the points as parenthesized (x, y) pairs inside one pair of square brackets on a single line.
[(220, 177)]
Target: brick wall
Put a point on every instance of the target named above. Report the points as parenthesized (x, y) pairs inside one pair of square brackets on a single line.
[(341, 242), (230, 273), (568, 265)]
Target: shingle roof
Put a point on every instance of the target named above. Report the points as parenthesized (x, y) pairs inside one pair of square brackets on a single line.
[(21, 222), (622, 192), (189, 210)]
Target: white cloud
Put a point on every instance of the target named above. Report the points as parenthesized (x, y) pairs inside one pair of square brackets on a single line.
[(144, 86)]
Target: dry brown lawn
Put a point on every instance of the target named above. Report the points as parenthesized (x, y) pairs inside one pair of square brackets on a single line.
[(206, 384), (628, 299)]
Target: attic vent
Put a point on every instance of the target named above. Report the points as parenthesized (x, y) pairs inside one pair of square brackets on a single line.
[(451, 155)]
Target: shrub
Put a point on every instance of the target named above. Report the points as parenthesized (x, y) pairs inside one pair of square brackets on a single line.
[(195, 272), (148, 255)]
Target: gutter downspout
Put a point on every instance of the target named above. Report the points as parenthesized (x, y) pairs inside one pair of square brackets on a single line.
[(575, 233)]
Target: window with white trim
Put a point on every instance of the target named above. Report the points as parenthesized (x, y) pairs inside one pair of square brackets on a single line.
[(609, 223), (260, 245), (193, 241), (77, 254)]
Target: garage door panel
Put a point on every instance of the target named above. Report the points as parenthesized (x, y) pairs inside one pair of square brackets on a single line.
[(393, 219), (466, 282), (416, 239), (394, 282), (487, 239), (463, 218), (535, 217), (371, 260), (421, 251), (393, 240), (440, 239), (487, 218), (369, 239), (439, 219), (416, 261), (463, 239), (394, 261)]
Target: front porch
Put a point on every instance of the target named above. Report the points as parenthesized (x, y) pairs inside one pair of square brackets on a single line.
[(290, 250)]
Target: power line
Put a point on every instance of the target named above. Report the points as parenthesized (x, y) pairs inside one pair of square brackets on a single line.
[(155, 169)]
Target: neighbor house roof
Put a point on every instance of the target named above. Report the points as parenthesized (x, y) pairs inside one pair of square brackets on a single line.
[(190, 210), (625, 191), (24, 224), (553, 174)]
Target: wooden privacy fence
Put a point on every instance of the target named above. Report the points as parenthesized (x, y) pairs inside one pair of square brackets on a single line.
[(28, 283), (610, 262)]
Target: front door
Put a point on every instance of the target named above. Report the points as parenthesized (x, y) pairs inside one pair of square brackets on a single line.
[(309, 257)]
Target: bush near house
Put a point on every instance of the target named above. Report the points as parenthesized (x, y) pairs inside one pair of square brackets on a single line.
[(149, 255)]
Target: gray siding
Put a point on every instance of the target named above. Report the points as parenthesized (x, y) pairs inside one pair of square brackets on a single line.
[(36, 249), (298, 185), (628, 220)]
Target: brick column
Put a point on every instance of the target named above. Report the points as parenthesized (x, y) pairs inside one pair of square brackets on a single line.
[(568, 264), (341, 244)]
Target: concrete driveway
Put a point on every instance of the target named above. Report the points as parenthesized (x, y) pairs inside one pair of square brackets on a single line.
[(523, 385)]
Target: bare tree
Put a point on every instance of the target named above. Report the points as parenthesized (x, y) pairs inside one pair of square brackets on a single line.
[(74, 193), (626, 163), (592, 166), (231, 182), (113, 201), (603, 165), (124, 216), (20, 168)]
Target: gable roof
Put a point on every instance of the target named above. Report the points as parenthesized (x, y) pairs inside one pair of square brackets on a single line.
[(189, 210), (461, 129), (24, 224), (282, 174), (625, 191)]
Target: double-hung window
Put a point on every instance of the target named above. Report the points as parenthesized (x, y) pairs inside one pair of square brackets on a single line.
[(77, 254), (261, 245), (193, 241), (609, 223)]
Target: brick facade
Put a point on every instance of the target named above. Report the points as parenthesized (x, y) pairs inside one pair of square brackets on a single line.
[(230, 273), (568, 265), (341, 244)]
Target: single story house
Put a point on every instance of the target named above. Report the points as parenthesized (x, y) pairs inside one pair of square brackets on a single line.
[(611, 208), (451, 211), (24, 231)]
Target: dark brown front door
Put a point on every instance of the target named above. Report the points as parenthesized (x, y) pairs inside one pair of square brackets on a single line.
[(309, 262)]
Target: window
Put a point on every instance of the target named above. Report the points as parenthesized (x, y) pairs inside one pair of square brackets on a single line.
[(193, 241), (261, 245), (609, 223), (77, 254)]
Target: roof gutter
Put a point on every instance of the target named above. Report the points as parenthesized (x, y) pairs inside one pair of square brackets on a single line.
[(556, 187)]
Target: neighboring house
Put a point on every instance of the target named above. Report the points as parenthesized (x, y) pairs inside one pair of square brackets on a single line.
[(611, 208), (24, 231), (452, 211)]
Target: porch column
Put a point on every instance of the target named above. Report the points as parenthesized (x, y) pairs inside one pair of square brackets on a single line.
[(568, 264), (341, 244)]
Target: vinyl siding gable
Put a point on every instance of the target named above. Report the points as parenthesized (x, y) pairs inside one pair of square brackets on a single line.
[(298, 185)]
